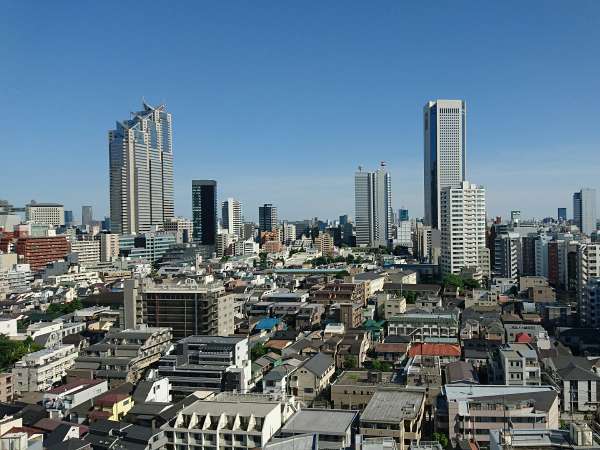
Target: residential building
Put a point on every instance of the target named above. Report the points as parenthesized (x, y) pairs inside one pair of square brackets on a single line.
[(220, 423), (267, 217), (39, 371), (463, 228), (52, 214), (324, 244), (231, 213), (61, 399), (353, 389), (204, 363), (141, 171), (444, 132), (187, 306), (88, 251), (421, 326), (469, 411), (181, 227), (39, 251), (87, 216), (391, 305), (506, 256), (579, 436), (514, 365), (109, 434), (588, 265), (309, 380), (109, 247), (340, 292), (204, 212), (584, 210), (289, 233), (334, 428), (7, 391), (578, 378), (590, 304), (374, 216), (124, 355), (394, 413)]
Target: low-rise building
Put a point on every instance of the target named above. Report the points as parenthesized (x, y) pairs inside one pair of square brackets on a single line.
[(579, 380), (514, 364), (6, 387), (309, 380), (123, 355), (468, 411), (213, 363), (420, 326), (60, 400), (353, 389), (39, 371), (334, 428), (394, 413), (579, 436)]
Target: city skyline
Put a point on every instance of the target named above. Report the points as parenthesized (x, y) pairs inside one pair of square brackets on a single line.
[(312, 100)]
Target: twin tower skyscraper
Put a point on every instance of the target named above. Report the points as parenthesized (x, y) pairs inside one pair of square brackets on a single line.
[(444, 134)]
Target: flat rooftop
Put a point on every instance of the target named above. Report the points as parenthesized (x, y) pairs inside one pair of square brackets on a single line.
[(393, 406), (322, 421)]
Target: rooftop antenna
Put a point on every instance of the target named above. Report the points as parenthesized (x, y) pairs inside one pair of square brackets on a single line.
[(382, 163)]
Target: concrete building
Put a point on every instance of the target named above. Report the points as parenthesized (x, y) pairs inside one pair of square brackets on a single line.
[(421, 326), (231, 214), (148, 247), (39, 371), (208, 363), (463, 228), (52, 214), (374, 216), (39, 251), (353, 389), (470, 411), (141, 171), (123, 355), (187, 306), (588, 265), (506, 256), (578, 378), (334, 429), (60, 400), (181, 227), (314, 376), (584, 210), (109, 247), (7, 391), (578, 437), (87, 216), (324, 244), (394, 413), (514, 365), (88, 251), (590, 304), (444, 133), (220, 423)]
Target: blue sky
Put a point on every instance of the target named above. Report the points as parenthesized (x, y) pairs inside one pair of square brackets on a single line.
[(281, 101)]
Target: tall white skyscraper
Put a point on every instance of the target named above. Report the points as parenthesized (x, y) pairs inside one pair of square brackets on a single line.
[(462, 226), (444, 126), (231, 213), (141, 171), (584, 210), (373, 207)]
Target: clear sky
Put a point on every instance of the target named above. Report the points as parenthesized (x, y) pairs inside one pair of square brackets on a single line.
[(280, 101)]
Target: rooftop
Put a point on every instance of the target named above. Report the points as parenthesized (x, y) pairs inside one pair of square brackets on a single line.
[(323, 421), (391, 405)]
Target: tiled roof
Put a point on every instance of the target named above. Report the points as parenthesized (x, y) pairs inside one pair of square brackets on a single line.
[(434, 350)]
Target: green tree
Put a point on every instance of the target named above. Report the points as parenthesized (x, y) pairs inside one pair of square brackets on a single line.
[(381, 366), (470, 283), (257, 351), (12, 351), (453, 280), (442, 439), (350, 362), (410, 296)]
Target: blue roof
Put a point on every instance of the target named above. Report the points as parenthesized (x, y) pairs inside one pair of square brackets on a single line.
[(268, 323)]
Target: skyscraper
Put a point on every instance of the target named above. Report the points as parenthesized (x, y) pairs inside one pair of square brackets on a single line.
[(462, 225), (87, 216), (231, 213), (584, 210), (69, 218), (562, 214), (373, 207), (445, 152), (141, 171), (204, 211), (403, 215), (267, 217)]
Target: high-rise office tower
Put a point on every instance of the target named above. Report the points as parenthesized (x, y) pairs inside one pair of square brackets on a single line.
[(231, 213), (462, 225), (87, 216), (69, 218), (445, 152), (584, 210), (374, 216), (141, 171), (403, 215), (562, 214), (267, 217), (204, 211)]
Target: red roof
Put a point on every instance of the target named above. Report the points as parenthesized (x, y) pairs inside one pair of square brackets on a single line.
[(434, 350), (110, 399), (523, 338), (30, 431), (391, 347)]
